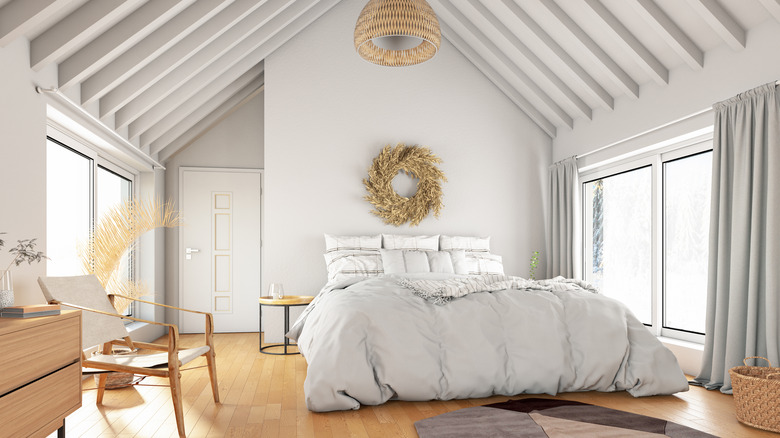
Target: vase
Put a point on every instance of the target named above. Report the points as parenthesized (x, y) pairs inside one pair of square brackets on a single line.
[(6, 289)]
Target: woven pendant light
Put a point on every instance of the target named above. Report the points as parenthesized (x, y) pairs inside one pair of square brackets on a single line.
[(397, 33)]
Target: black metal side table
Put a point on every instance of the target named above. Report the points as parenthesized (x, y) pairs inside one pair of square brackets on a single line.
[(286, 302)]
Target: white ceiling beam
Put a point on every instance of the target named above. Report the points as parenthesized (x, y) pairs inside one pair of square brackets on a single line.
[(155, 82), (77, 29), (175, 124), (533, 61), (591, 86), (282, 29), (200, 122), (629, 86), (21, 16), (548, 102), (233, 79), (670, 33), (721, 22), (149, 48), (125, 34), (499, 81), (635, 49), (773, 7)]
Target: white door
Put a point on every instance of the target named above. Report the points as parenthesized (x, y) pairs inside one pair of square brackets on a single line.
[(219, 259)]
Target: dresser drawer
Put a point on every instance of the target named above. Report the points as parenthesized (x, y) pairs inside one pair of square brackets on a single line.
[(34, 406), (32, 349)]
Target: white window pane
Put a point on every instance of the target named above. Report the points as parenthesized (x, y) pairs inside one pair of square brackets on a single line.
[(68, 208), (686, 241), (618, 227), (113, 191)]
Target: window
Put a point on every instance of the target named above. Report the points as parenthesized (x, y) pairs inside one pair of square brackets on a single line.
[(81, 187), (646, 236)]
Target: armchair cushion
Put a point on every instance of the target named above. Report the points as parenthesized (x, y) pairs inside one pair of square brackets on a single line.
[(86, 291)]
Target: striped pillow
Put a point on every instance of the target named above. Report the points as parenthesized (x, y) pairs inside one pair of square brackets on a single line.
[(352, 243), (346, 264), (420, 243), (465, 243)]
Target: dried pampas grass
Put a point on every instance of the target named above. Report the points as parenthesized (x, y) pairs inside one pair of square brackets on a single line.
[(115, 234), (415, 161)]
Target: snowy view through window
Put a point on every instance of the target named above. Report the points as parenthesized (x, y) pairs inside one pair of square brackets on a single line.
[(619, 240)]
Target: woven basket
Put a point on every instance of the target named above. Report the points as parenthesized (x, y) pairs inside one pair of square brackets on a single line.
[(757, 395)]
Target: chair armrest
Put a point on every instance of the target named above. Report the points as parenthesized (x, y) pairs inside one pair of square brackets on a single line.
[(160, 305), (115, 315)]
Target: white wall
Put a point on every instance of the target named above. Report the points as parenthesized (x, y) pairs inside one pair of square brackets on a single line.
[(329, 113), (22, 165), (725, 74), (235, 142)]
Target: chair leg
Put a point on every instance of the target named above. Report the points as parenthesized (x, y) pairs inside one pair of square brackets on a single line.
[(102, 377), (212, 363), (175, 379)]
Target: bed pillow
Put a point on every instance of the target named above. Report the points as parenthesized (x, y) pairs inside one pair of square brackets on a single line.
[(410, 261), (465, 243), (353, 243), (420, 243), (345, 264)]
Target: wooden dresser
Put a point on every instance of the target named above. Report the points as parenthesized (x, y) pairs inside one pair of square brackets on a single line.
[(40, 373)]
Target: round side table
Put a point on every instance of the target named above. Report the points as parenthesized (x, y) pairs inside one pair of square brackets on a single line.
[(286, 302)]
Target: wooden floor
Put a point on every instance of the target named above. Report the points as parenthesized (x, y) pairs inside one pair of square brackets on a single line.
[(262, 395)]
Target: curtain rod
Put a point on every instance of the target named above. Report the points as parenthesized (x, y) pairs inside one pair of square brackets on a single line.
[(131, 147), (682, 119)]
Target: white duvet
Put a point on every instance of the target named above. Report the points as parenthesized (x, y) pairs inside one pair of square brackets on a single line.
[(371, 340)]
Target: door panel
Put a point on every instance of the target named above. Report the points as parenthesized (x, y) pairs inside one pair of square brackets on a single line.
[(220, 248)]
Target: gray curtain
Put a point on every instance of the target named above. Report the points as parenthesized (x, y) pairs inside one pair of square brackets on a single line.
[(563, 219), (743, 290)]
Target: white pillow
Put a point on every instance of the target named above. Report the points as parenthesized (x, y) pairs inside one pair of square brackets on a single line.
[(466, 243), (353, 243), (421, 243), (345, 264), (459, 262), (408, 261), (484, 263)]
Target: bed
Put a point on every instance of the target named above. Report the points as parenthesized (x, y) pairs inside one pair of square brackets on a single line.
[(440, 335)]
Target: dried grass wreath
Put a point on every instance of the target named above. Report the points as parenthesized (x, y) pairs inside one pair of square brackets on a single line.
[(414, 161)]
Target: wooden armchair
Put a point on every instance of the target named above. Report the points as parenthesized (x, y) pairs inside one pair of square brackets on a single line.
[(102, 326)]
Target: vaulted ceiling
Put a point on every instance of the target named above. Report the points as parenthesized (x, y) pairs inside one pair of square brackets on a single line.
[(160, 72)]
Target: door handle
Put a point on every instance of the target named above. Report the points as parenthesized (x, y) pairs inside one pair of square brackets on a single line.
[(188, 253)]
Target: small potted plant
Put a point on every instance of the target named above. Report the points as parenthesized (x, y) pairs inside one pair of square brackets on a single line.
[(24, 251)]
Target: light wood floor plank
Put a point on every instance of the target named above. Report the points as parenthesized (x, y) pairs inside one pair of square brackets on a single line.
[(262, 395)]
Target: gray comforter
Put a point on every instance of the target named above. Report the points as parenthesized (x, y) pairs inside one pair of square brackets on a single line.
[(369, 341)]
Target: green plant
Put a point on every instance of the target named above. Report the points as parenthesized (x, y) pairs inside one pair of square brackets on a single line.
[(24, 251), (534, 264)]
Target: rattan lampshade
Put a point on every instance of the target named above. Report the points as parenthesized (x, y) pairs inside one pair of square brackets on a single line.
[(385, 28)]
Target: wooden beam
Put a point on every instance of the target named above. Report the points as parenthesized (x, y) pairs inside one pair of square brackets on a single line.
[(22, 16), (149, 48), (483, 40), (499, 81), (634, 48), (77, 29), (227, 83), (670, 33), (591, 86), (773, 7), (721, 22), (242, 87), (167, 93), (609, 66), (211, 40), (533, 61), (124, 35)]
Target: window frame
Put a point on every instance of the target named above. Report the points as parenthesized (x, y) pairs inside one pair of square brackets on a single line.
[(98, 160), (655, 159)]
